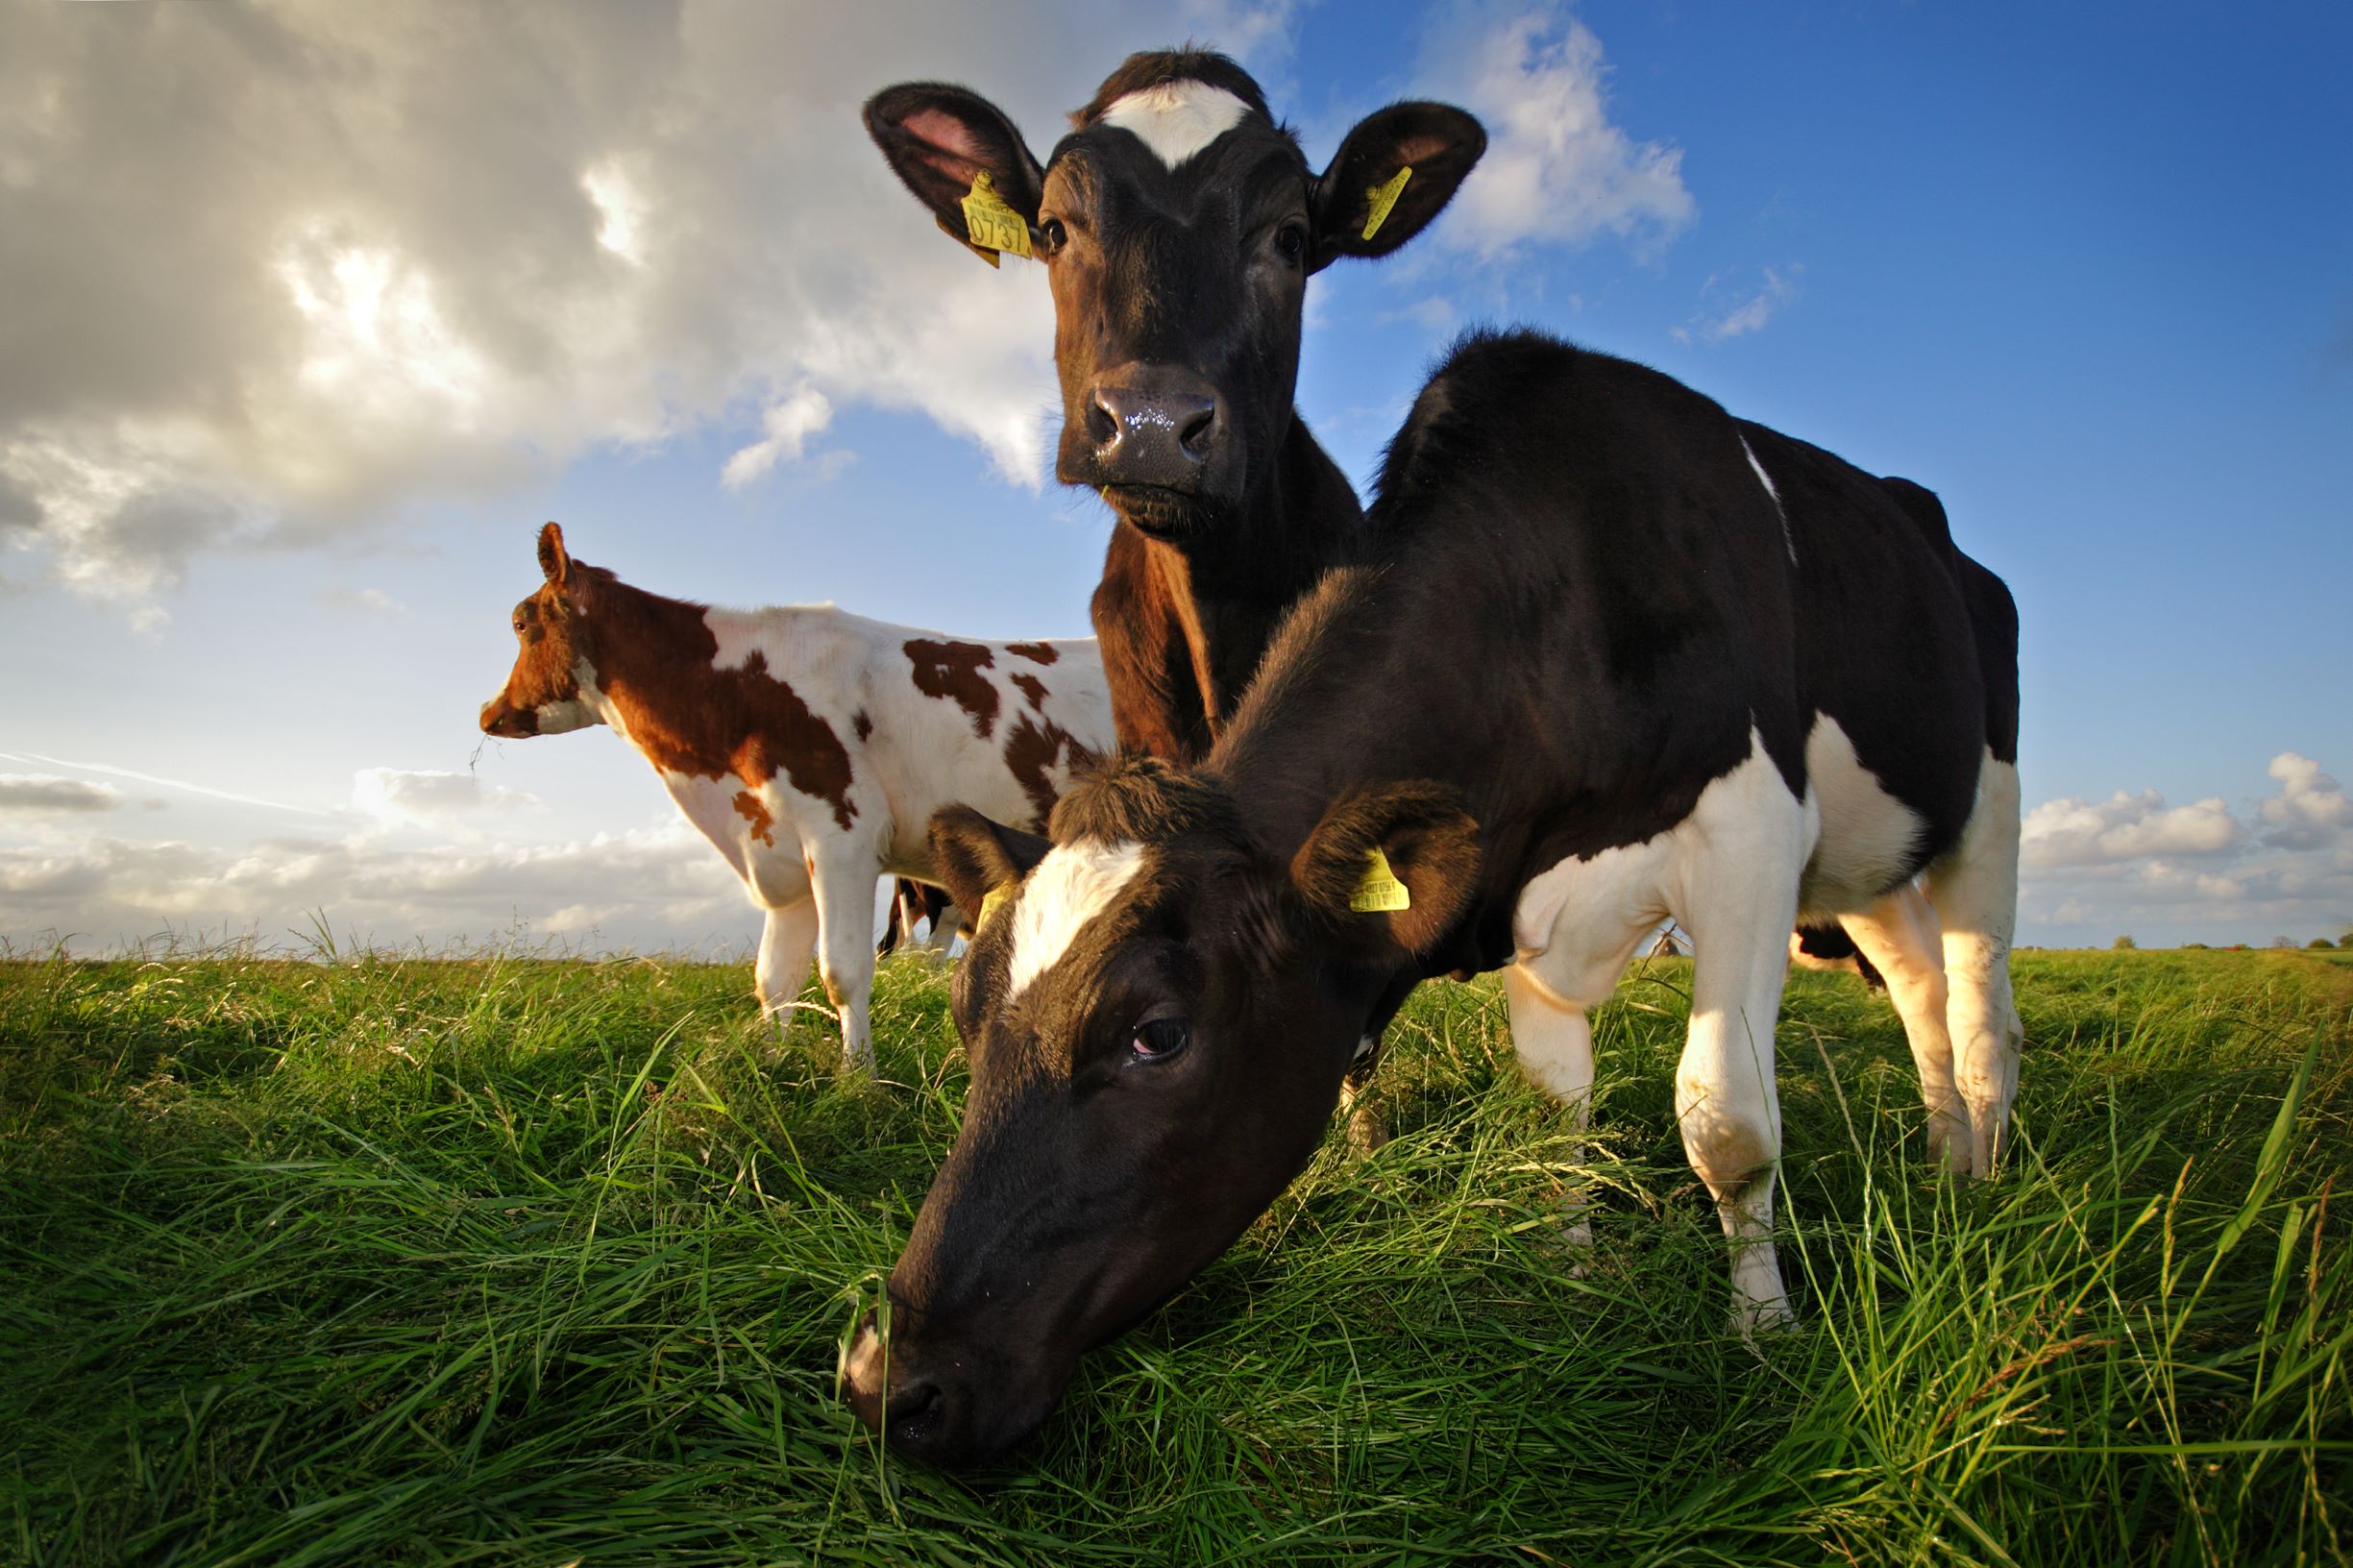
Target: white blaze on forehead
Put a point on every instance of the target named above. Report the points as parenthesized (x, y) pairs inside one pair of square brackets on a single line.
[(1177, 119), (1073, 884)]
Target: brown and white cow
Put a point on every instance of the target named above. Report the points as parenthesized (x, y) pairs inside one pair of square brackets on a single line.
[(809, 744)]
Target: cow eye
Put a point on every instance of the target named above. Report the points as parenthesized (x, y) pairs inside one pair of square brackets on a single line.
[(1052, 236), (1159, 1039), (1291, 241), (518, 626)]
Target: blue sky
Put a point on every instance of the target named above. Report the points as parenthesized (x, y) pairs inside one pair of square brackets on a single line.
[(319, 349)]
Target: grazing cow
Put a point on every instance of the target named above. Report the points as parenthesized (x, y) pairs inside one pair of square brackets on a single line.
[(1179, 224), (1622, 658), (809, 744)]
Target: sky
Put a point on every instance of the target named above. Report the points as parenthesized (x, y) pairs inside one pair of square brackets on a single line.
[(315, 313)]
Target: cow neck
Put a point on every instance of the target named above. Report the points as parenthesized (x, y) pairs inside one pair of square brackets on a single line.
[(1234, 592), (647, 651)]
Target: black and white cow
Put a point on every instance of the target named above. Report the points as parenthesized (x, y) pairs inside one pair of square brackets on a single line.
[(1621, 658)]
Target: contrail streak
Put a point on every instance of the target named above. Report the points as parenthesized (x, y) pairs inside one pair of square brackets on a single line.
[(167, 783)]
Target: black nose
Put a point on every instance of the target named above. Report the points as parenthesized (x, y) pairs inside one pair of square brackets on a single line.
[(1153, 436), (911, 1412)]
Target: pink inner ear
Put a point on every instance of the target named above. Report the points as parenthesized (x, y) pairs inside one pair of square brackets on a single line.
[(1420, 149), (944, 132)]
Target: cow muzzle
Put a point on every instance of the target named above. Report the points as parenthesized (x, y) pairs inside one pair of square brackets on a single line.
[(1158, 443), (502, 718), (950, 1409)]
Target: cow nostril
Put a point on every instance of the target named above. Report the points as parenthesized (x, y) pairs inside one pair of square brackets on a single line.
[(1104, 427), (1195, 434), (911, 1411)]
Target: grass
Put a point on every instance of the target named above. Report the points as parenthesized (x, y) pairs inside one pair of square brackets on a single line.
[(512, 1261)]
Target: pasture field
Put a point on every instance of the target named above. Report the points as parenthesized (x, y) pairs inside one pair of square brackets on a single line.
[(517, 1261)]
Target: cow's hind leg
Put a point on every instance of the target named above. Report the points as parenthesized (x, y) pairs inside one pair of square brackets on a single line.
[(1736, 892), (787, 943), (846, 946), (1898, 935), (1974, 890)]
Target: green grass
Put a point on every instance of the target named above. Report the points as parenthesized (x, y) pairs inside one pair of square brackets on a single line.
[(516, 1261)]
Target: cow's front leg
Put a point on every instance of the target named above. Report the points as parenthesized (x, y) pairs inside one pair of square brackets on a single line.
[(845, 945)]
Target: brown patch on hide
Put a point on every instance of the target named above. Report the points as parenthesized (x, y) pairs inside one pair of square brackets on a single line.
[(862, 725), (1033, 688), (1039, 652), (953, 671), (749, 807), (652, 658)]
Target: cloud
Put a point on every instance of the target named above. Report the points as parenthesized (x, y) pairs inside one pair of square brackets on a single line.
[(2072, 831), (789, 425), (2196, 872), (168, 783), (373, 601), (653, 888), (2311, 810), (1557, 171), (430, 797), (46, 792), (1748, 313), (386, 264)]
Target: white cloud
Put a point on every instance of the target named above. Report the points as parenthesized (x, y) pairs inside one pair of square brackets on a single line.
[(1748, 314), (2310, 809), (373, 601), (46, 792), (2072, 831), (428, 798), (788, 426), (2197, 872), (653, 888), (386, 265), (1557, 171)]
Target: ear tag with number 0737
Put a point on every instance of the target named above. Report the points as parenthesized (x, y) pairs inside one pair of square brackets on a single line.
[(992, 225)]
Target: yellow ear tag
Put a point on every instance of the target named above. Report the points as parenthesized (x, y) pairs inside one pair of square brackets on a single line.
[(995, 896), (1383, 198), (992, 225), (1380, 890)]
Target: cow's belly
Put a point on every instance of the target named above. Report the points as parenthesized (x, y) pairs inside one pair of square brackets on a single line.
[(1870, 840)]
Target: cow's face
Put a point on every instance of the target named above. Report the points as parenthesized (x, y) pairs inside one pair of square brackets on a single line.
[(1179, 224), (543, 690), (1158, 1014)]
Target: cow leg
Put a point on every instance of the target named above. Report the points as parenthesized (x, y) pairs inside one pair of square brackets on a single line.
[(1974, 890), (1586, 918), (787, 943), (1898, 935), (1736, 892), (845, 947)]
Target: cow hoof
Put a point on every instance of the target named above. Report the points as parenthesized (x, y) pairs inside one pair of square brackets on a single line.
[(1366, 1131)]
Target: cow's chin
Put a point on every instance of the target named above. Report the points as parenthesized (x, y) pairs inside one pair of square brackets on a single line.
[(1170, 517)]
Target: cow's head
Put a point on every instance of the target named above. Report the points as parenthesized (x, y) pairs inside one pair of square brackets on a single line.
[(1158, 1010), (1179, 223), (543, 690)]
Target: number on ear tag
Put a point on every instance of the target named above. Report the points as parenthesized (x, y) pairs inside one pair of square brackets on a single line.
[(992, 225)]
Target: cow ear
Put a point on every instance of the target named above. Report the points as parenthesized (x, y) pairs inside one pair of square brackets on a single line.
[(976, 857), (1395, 172), (1398, 864), (937, 138), (554, 560)]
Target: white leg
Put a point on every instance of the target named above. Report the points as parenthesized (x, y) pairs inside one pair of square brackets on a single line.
[(1974, 890), (787, 944), (1739, 898), (845, 949), (1899, 935)]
